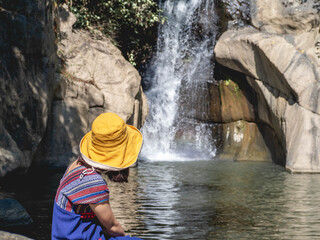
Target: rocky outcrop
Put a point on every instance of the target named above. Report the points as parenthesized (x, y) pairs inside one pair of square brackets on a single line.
[(13, 214), (281, 60), (50, 96), (27, 66), (95, 78), (286, 16)]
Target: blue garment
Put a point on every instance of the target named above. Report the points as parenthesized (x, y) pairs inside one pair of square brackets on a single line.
[(64, 224), (73, 227), (125, 238)]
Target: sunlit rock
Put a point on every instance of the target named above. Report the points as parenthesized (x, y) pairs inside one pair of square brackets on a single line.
[(95, 78), (286, 16), (282, 63)]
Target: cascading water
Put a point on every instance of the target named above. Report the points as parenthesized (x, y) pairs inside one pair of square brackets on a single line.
[(177, 127)]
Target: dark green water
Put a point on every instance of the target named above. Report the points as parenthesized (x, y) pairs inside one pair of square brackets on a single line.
[(195, 200)]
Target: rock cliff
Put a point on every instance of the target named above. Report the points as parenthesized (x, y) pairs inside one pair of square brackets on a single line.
[(54, 81), (279, 56), (27, 67)]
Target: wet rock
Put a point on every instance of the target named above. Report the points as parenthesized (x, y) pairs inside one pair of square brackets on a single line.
[(12, 213), (248, 141), (237, 13), (245, 135), (234, 105)]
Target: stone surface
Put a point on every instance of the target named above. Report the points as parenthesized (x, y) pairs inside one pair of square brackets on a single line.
[(93, 60), (269, 58), (12, 213), (95, 78), (233, 14), (245, 141), (301, 132), (66, 20), (245, 136), (286, 16), (11, 236), (303, 139), (282, 61), (27, 68), (48, 103), (234, 104), (10, 154)]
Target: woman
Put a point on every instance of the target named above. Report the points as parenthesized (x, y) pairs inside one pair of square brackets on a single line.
[(81, 209)]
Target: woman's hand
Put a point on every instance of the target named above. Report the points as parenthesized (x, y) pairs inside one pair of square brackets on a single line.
[(107, 219)]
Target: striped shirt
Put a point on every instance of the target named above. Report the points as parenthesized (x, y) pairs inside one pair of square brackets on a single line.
[(79, 188)]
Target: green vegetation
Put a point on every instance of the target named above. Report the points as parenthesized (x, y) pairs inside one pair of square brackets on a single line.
[(227, 81), (233, 88), (131, 24)]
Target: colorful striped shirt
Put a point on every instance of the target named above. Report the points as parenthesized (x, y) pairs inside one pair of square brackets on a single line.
[(76, 192), (72, 216)]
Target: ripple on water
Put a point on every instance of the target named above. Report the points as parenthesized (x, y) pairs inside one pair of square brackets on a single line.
[(224, 200), (195, 200)]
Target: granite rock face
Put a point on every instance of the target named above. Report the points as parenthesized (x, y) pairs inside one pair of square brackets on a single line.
[(27, 67), (280, 58), (94, 78)]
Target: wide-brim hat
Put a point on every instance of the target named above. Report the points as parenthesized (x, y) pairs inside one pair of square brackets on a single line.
[(111, 144)]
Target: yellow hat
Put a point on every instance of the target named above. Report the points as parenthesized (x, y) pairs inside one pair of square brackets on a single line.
[(112, 144)]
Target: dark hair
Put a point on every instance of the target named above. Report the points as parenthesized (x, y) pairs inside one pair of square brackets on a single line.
[(118, 176)]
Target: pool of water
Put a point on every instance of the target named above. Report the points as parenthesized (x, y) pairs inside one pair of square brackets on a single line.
[(193, 200)]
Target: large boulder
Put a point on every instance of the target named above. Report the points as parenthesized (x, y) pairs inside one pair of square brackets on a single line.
[(12, 213), (27, 67), (95, 78), (281, 60)]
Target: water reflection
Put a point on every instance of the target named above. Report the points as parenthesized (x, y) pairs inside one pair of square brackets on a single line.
[(300, 207), (195, 200), (223, 200)]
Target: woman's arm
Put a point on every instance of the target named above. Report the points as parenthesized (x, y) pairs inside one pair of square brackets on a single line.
[(107, 219)]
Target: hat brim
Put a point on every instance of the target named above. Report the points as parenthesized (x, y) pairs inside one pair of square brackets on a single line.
[(128, 158)]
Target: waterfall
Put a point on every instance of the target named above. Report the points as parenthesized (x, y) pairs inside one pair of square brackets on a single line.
[(178, 127)]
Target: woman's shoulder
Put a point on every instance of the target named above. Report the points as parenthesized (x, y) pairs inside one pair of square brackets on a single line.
[(83, 174), (81, 185), (81, 177)]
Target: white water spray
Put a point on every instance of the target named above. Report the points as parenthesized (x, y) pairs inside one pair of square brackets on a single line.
[(177, 128)]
